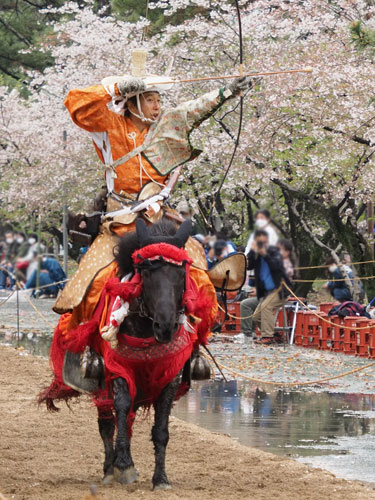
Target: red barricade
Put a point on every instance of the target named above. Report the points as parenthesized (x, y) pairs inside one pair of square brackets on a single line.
[(371, 349), (350, 335), (326, 332), (363, 337), (327, 306), (299, 330), (311, 330), (338, 334), (233, 325)]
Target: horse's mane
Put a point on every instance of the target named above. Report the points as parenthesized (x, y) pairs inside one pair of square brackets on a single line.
[(129, 243)]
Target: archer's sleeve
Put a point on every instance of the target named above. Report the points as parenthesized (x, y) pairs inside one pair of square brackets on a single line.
[(88, 108), (198, 110)]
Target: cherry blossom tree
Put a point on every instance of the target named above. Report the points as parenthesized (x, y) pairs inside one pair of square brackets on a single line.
[(307, 142)]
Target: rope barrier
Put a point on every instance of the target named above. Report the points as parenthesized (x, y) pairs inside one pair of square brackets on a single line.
[(318, 316), (235, 317), (40, 314), (35, 308), (259, 308), (306, 307), (2, 268), (327, 265), (334, 280), (7, 298), (292, 384), (31, 289)]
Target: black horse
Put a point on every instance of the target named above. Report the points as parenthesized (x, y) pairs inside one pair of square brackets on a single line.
[(163, 288)]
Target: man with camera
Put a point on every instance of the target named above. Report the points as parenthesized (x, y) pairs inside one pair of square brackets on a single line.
[(269, 274), (219, 251)]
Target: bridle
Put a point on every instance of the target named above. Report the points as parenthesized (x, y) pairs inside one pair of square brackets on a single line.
[(152, 255), (151, 265)]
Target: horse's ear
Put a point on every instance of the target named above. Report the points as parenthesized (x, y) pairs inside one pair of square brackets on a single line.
[(184, 232), (142, 231)]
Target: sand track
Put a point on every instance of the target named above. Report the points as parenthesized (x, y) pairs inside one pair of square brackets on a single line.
[(45, 457)]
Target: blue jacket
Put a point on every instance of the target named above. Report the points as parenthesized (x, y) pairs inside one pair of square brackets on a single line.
[(276, 266)]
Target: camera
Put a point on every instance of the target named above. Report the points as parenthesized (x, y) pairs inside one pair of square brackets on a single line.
[(260, 244)]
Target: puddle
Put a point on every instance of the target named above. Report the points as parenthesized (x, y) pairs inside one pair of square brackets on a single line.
[(329, 430), (35, 344)]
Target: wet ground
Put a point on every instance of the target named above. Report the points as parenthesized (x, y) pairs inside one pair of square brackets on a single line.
[(329, 425)]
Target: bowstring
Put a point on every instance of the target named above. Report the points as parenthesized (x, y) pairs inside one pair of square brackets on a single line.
[(240, 117), (145, 27)]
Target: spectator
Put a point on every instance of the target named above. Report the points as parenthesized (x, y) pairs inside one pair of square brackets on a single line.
[(286, 250), (338, 289), (263, 221), (359, 293), (231, 247), (247, 308), (21, 264), (269, 270), (9, 252), (50, 273), (29, 260), (218, 252), (12, 246), (23, 245)]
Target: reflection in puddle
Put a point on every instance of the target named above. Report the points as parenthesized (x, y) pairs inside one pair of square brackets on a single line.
[(329, 430), (35, 344)]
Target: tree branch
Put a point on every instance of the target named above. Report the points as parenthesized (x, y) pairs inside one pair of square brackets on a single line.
[(15, 32)]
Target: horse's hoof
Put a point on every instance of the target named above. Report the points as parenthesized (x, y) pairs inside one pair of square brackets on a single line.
[(162, 486), (107, 479), (126, 476)]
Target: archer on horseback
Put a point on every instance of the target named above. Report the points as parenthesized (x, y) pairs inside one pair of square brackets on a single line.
[(140, 303), (140, 144)]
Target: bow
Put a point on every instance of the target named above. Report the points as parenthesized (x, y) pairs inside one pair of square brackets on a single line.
[(241, 113)]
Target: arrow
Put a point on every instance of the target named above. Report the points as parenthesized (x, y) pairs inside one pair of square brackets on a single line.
[(222, 77)]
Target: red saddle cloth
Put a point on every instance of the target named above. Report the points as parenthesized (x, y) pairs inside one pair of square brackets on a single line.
[(146, 365)]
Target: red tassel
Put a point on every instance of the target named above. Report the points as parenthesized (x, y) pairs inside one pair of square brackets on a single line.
[(76, 340), (56, 392), (204, 306), (163, 250), (128, 290)]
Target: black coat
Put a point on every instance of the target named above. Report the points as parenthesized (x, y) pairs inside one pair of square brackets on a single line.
[(275, 263)]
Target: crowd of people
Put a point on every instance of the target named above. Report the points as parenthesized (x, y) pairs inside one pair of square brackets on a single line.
[(270, 263), (20, 257)]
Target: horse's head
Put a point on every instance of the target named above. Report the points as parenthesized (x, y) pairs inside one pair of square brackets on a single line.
[(163, 280)]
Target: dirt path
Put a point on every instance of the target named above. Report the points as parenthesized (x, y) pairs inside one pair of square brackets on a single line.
[(45, 457)]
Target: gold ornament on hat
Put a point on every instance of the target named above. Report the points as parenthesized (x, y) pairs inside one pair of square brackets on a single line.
[(139, 58)]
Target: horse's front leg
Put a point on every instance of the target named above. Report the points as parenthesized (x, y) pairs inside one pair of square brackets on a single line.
[(124, 471), (160, 433), (106, 423)]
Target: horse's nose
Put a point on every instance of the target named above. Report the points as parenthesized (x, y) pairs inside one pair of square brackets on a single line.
[(163, 331)]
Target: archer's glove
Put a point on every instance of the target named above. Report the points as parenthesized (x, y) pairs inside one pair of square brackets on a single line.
[(131, 85), (240, 84)]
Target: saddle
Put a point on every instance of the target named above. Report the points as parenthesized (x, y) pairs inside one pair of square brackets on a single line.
[(83, 228)]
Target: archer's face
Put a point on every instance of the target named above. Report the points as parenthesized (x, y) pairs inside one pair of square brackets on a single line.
[(150, 104)]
